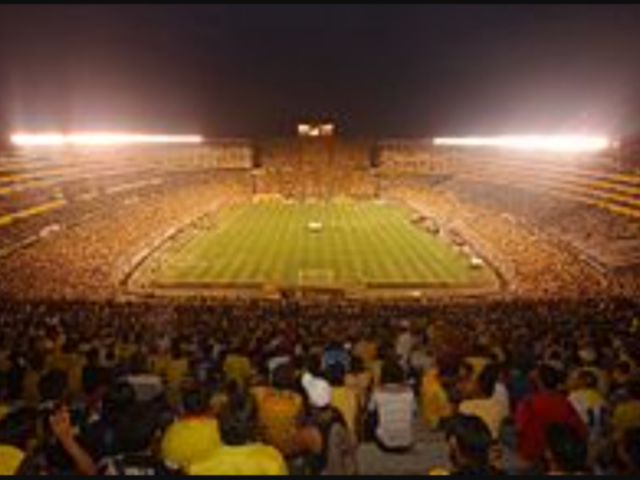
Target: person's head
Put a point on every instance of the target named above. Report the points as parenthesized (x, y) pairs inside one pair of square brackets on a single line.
[(587, 380), (53, 387), (195, 400), (622, 371), (238, 420), (335, 374), (588, 356), (392, 373), (568, 452), (488, 380), (466, 371), (117, 402), (137, 430), (470, 443), (549, 378), (95, 380), (629, 451), (284, 377)]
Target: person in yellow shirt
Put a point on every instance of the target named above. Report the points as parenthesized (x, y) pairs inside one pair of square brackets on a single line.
[(193, 438), (11, 459), (361, 380), (344, 399), (18, 431), (242, 454), (367, 351), (174, 369), (237, 368), (279, 411), (626, 416), (436, 405)]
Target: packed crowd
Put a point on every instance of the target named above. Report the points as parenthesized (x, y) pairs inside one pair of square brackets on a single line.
[(89, 259), (285, 388), (535, 264), (313, 169)]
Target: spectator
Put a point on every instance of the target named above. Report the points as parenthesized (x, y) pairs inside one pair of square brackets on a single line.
[(492, 404), (344, 398), (280, 409), (137, 438), (546, 407), (99, 435), (405, 343), (331, 446), (393, 406), (626, 415), (567, 452), (237, 367), (470, 445), (242, 454), (53, 390), (360, 380), (589, 362), (17, 431), (336, 355), (195, 436), (587, 400), (629, 453), (63, 430), (435, 399), (176, 371)]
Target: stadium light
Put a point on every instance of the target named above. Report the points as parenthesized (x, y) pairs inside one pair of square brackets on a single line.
[(97, 139), (540, 143)]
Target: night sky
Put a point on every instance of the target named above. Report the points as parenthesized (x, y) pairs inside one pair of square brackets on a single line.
[(376, 70)]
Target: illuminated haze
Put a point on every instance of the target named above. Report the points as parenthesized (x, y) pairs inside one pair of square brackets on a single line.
[(240, 70)]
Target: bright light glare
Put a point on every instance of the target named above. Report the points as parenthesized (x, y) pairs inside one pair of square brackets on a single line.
[(541, 143), (97, 139)]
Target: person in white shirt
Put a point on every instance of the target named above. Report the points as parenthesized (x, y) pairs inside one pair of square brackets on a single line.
[(394, 406)]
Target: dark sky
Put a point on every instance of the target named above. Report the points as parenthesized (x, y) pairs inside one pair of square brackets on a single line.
[(377, 70)]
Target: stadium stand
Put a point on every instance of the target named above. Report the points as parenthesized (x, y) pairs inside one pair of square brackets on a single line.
[(543, 378), (100, 381), (313, 168), (591, 205)]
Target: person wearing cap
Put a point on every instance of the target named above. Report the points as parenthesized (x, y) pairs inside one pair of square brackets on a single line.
[(330, 445)]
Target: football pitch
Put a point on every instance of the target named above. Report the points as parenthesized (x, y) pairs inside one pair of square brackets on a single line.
[(342, 244)]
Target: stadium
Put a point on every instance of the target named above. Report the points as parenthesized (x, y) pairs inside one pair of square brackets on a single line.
[(305, 229), (337, 296), (316, 218)]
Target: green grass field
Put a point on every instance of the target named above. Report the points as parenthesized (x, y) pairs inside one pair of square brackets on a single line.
[(270, 243)]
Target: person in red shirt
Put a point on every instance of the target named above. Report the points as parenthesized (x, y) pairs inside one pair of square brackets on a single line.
[(541, 410)]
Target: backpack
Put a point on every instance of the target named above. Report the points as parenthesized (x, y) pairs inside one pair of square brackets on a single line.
[(327, 421)]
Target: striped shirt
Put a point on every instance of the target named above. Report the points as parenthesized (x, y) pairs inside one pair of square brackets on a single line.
[(395, 406)]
